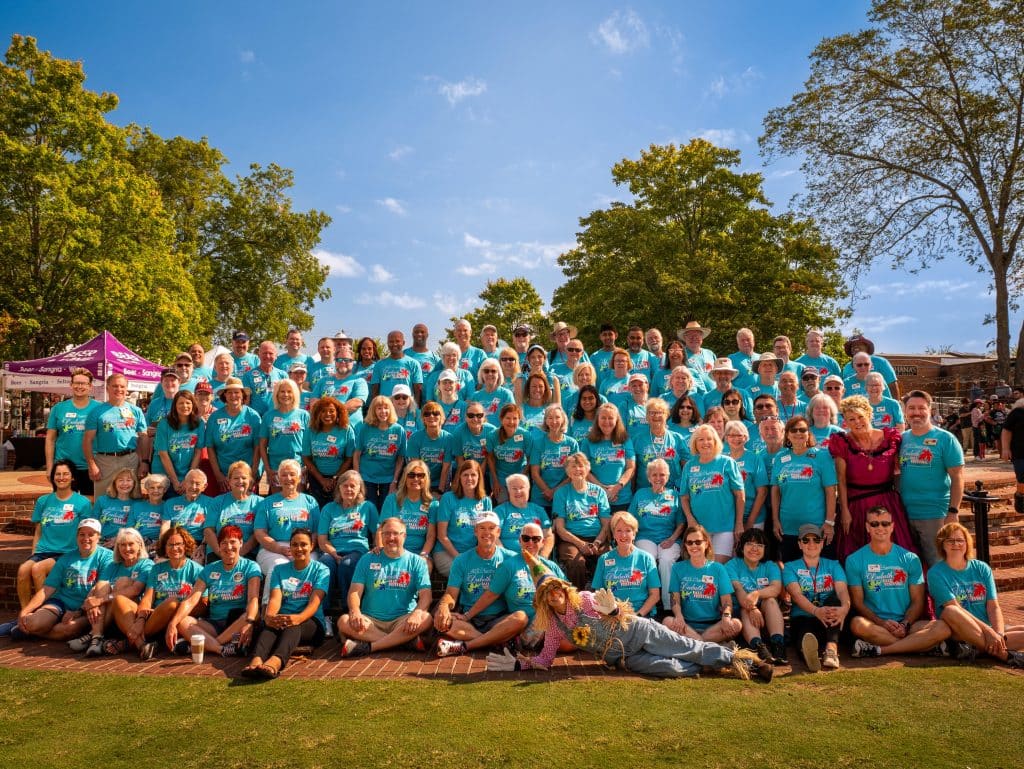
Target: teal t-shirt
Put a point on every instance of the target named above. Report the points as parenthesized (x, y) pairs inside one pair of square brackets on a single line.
[(711, 488), (348, 528), (329, 449), (513, 519), (972, 587), (671, 447), (228, 589), (233, 437), (261, 384), (73, 576), (433, 451), (582, 511), (391, 586), (228, 511), (279, 517), (608, 462), (802, 481), (629, 577), (514, 582), (657, 514), (887, 413), (818, 585), (417, 517), (380, 449), (924, 478), (700, 590), (388, 373), (69, 422), (137, 572), (192, 515), (58, 520), (750, 580), (146, 518), (113, 514), (284, 434), (168, 582), (458, 513), (885, 579), (493, 403), (117, 427), (549, 458), (511, 455), (297, 587), (181, 444), (472, 575)]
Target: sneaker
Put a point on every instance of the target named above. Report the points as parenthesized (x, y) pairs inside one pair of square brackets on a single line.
[(95, 647), (352, 649), (809, 649), (446, 648), (778, 653), (81, 643), (965, 652), (1015, 659), (862, 648), (7, 627), (17, 634), (762, 651), (831, 660), (182, 648), (940, 649), (147, 650), (230, 649)]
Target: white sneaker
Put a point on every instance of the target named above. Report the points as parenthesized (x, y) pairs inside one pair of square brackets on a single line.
[(862, 648), (809, 649), (446, 648), (831, 660), (81, 643)]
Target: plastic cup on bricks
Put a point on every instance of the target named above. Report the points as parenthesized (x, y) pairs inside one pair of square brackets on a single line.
[(198, 643)]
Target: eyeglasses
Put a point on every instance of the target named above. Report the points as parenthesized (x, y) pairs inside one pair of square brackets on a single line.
[(345, 360), (474, 416), (507, 360), (861, 365), (574, 349), (179, 543), (833, 387), (763, 406), (694, 542), (798, 429), (876, 524), (754, 544), (730, 402), (182, 365), (416, 474), (431, 414), (686, 407), (530, 538), (399, 397), (809, 539), (956, 541)]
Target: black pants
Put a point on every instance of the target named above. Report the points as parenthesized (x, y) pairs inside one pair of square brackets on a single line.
[(273, 642)]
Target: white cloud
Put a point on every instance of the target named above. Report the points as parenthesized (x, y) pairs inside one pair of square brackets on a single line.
[(734, 83), (341, 208), (400, 152), (944, 288), (529, 254), (473, 270), (393, 205), (724, 137), (340, 265), (387, 299), (247, 57), (380, 275), (464, 89), (450, 305), (622, 32), (870, 324)]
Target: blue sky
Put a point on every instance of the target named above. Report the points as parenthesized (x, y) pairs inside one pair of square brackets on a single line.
[(454, 143)]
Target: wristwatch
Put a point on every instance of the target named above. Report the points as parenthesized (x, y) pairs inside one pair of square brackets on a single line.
[(953, 510)]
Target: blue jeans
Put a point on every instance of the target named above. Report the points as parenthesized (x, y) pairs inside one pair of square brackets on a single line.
[(654, 650), (341, 575)]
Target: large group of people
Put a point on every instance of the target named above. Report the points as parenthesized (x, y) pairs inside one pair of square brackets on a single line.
[(662, 506)]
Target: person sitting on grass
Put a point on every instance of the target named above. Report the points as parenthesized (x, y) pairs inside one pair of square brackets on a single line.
[(702, 592), (124, 575), (55, 611), (479, 623), (757, 586), (595, 622), (389, 597), (295, 613), (887, 591), (964, 592)]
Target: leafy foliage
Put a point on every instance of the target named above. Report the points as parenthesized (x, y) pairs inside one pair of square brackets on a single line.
[(697, 243), (506, 304)]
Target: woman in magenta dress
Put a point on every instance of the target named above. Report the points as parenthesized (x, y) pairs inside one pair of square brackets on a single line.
[(867, 460)]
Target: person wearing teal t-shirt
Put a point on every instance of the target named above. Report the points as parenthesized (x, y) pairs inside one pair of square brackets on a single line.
[(415, 506), (295, 610), (231, 587), (711, 492), (53, 611), (931, 475), (492, 394), (65, 428), (148, 511), (888, 594), (396, 369), (232, 434), (481, 621), (612, 458), (627, 571), (192, 510), (659, 442), (180, 439), (283, 430), (236, 508), (661, 522), (456, 512), (115, 435), (701, 592), (113, 508), (389, 600), (757, 588), (278, 516), (327, 447), (344, 532), (380, 450), (964, 592), (520, 511), (580, 512), (508, 450), (432, 446)]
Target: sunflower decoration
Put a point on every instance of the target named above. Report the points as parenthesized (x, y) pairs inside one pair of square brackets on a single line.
[(581, 635)]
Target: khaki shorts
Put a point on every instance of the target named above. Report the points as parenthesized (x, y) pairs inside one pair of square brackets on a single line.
[(387, 626)]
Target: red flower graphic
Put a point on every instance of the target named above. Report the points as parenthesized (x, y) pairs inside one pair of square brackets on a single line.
[(238, 591), (421, 522), (404, 579), (887, 419), (129, 422), (978, 591), (332, 451), (294, 427), (193, 440), (246, 430), (357, 525), (636, 577), (249, 517), (592, 510), (184, 591), (827, 582), (709, 590), (306, 589), (807, 472), (92, 575), (743, 473), (665, 509), (925, 455), (670, 453), (717, 479), (620, 454), (493, 408), (392, 448), (517, 455), (464, 364), (69, 515), (899, 577), (343, 390)]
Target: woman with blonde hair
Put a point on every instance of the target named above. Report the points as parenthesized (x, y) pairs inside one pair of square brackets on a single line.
[(380, 451)]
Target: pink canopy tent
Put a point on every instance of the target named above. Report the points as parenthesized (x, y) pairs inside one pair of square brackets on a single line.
[(103, 355)]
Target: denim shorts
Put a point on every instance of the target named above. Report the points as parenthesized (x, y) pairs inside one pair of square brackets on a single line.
[(43, 556)]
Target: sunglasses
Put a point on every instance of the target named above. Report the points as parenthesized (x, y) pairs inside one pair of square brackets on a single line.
[(809, 539), (416, 474), (730, 402), (431, 413), (530, 538), (686, 408), (798, 429), (507, 360), (694, 542), (399, 397), (876, 524), (763, 406), (474, 416), (574, 349), (833, 387)]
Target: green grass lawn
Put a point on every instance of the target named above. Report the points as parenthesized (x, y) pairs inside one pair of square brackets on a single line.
[(908, 718)]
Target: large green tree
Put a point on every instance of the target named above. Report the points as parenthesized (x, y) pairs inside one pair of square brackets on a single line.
[(84, 238), (697, 242), (912, 138), (506, 304)]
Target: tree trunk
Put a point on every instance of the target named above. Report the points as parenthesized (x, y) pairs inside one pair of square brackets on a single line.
[(1002, 319), (1018, 367)]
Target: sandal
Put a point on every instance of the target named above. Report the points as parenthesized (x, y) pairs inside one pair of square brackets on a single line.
[(114, 646), (252, 669), (269, 670)]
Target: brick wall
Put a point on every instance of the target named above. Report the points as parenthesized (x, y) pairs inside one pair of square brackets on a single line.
[(16, 506), (8, 590)]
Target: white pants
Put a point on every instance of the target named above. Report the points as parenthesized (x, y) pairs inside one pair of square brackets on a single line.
[(267, 560), (664, 557)]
